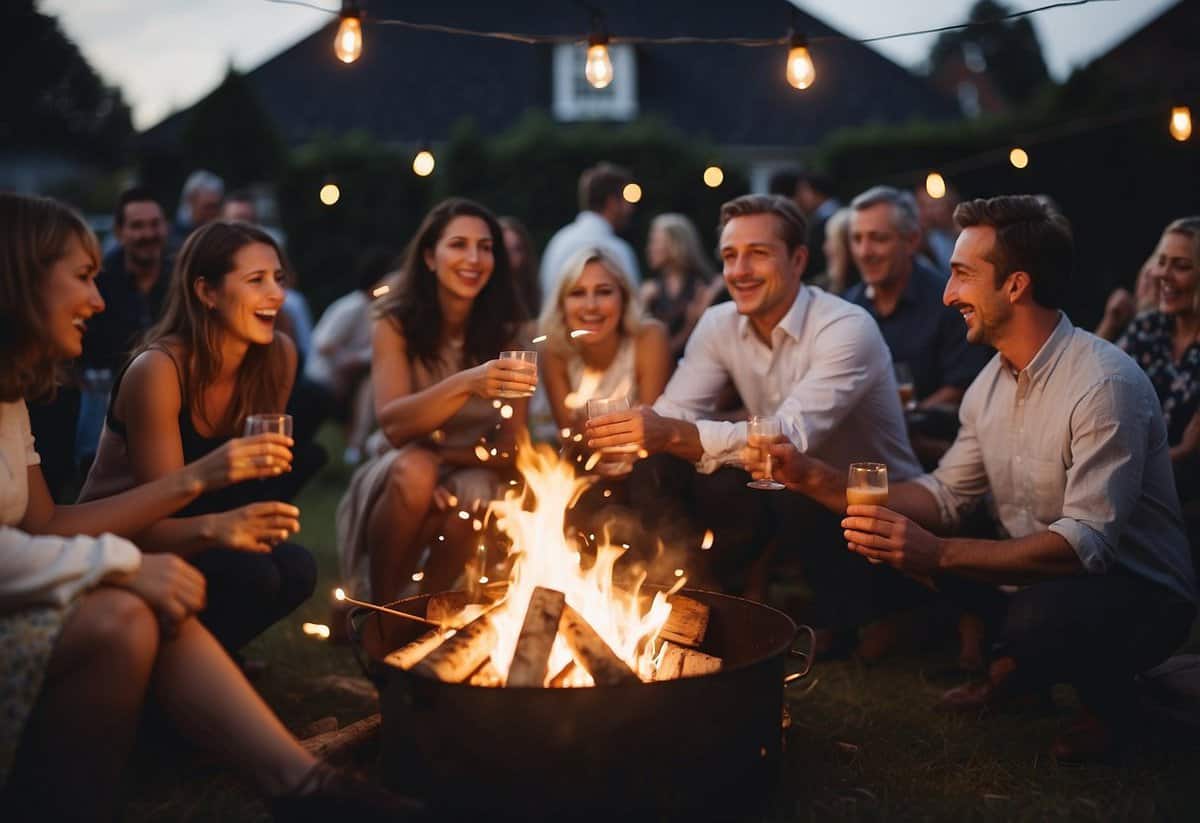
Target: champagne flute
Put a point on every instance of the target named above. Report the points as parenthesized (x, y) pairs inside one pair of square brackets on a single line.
[(523, 356), (867, 485), (615, 461), (765, 431)]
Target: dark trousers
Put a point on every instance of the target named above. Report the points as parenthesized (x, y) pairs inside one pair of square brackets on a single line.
[(677, 504), (1094, 632), (248, 592)]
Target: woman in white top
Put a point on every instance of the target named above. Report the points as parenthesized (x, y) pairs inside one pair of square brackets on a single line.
[(621, 355), (89, 625)]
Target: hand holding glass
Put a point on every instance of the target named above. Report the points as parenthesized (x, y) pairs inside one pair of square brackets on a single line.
[(764, 431), (616, 460), (529, 357), (268, 424), (867, 485)]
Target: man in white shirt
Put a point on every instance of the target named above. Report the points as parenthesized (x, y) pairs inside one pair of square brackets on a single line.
[(814, 361), (603, 212)]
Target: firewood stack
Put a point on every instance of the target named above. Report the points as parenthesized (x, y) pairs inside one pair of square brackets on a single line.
[(460, 649)]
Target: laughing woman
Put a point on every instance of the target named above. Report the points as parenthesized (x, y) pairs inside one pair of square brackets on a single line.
[(90, 627), (451, 311), (213, 359)]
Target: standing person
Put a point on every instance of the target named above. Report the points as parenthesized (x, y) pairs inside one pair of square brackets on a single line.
[(603, 214), (199, 202), (451, 310), (622, 355), (213, 359), (89, 626), (1065, 433), (814, 196), (812, 360), (524, 259), (683, 283)]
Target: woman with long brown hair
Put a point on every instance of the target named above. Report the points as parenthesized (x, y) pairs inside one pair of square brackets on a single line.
[(213, 359), (439, 391), (91, 627)]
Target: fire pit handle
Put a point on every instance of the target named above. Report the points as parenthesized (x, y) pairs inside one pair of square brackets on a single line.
[(807, 656)]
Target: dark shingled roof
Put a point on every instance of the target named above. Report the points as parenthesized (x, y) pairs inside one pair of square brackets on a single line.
[(411, 86)]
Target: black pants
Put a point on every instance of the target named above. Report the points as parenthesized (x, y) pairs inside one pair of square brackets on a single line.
[(248, 592), (677, 504), (1094, 632)]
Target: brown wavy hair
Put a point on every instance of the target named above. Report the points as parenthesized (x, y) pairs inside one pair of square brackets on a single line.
[(34, 235), (207, 255)]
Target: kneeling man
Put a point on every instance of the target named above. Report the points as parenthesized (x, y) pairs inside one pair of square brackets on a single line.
[(1066, 433)]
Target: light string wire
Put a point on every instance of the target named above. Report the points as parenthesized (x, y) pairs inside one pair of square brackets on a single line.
[(750, 42)]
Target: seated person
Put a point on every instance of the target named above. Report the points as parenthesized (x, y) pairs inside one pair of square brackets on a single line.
[(90, 627), (439, 392), (794, 352), (904, 295), (1065, 432), (622, 354), (683, 284), (213, 359)]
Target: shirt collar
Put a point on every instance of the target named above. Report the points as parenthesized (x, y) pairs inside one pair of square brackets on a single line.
[(1044, 360), (593, 219), (791, 323)]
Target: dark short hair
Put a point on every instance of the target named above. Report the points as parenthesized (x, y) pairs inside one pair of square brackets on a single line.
[(819, 182), (784, 182), (134, 194), (601, 182), (1031, 237), (793, 226), (240, 196)]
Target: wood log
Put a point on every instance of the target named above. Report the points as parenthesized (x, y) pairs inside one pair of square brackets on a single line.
[(687, 623), (457, 609), (459, 655), (486, 676), (560, 680), (333, 744), (592, 653), (680, 662), (532, 654), (413, 653)]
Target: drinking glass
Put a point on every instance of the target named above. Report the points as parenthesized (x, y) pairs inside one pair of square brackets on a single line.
[(867, 485), (524, 356), (907, 386), (615, 460), (264, 423), (765, 430)]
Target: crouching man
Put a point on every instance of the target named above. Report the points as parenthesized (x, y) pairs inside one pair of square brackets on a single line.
[(1066, 433)]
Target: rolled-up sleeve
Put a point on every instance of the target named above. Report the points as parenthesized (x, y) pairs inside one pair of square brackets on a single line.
[(960, 478), (1104, 480), (45, 570)]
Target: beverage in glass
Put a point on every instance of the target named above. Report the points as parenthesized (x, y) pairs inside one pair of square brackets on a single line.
[(524, 356), (615, 460), (907, 386), (762, 432), (268, 423), (867, 485)]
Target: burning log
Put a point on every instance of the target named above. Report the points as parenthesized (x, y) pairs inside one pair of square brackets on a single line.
[(592, 653), (560, 680), (464, 652), (486, 676), (332, 744), (680, 662), (532, 654), (456, 609), (413, 653), (687, 623)]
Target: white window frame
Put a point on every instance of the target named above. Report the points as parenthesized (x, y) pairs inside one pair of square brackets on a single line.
[(617, 102)]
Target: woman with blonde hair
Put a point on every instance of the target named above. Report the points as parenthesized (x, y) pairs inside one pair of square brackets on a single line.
[(684, 282), (598, 345), (90, 626)]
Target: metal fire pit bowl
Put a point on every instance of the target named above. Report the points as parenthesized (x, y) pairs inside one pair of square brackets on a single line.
[(703, 747)]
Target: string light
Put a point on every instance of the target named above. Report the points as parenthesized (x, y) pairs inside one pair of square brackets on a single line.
[(423, 163), (801, 73), (1018, 157), (713, 176), (632, 194), (330, 194), (1181, 123), (598, 69), (935, 185), (348, 43)]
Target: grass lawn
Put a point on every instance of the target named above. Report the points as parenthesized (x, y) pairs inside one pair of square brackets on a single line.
[(865, 743)]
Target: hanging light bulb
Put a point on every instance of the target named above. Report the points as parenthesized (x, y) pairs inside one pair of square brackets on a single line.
[(801, 73), (713, 176), (348, 43), (632, 192), (1181, 123), (935, 185), (330, 194), (1018, 157), (599, 69), (423, 163)]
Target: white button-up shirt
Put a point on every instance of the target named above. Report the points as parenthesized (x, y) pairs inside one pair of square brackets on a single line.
[(587, 230), (1074, 443), (827, 376)]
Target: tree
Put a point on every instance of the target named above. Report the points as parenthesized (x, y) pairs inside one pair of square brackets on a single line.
[(232, 134), (52, 96), (1008, 51)]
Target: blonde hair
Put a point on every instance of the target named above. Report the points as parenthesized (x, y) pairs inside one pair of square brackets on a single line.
[(1189, 227), (553, 322), (36, 233), (683, 245)]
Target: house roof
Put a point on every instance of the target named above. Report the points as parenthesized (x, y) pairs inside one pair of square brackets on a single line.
[(1161, 55), (412, 86)]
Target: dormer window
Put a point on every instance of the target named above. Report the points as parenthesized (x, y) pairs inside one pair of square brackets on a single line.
[(574, 97)]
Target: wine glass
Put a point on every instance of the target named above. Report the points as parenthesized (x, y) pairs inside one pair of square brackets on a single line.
[(765, 430), (523, 356), (615, 459)]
